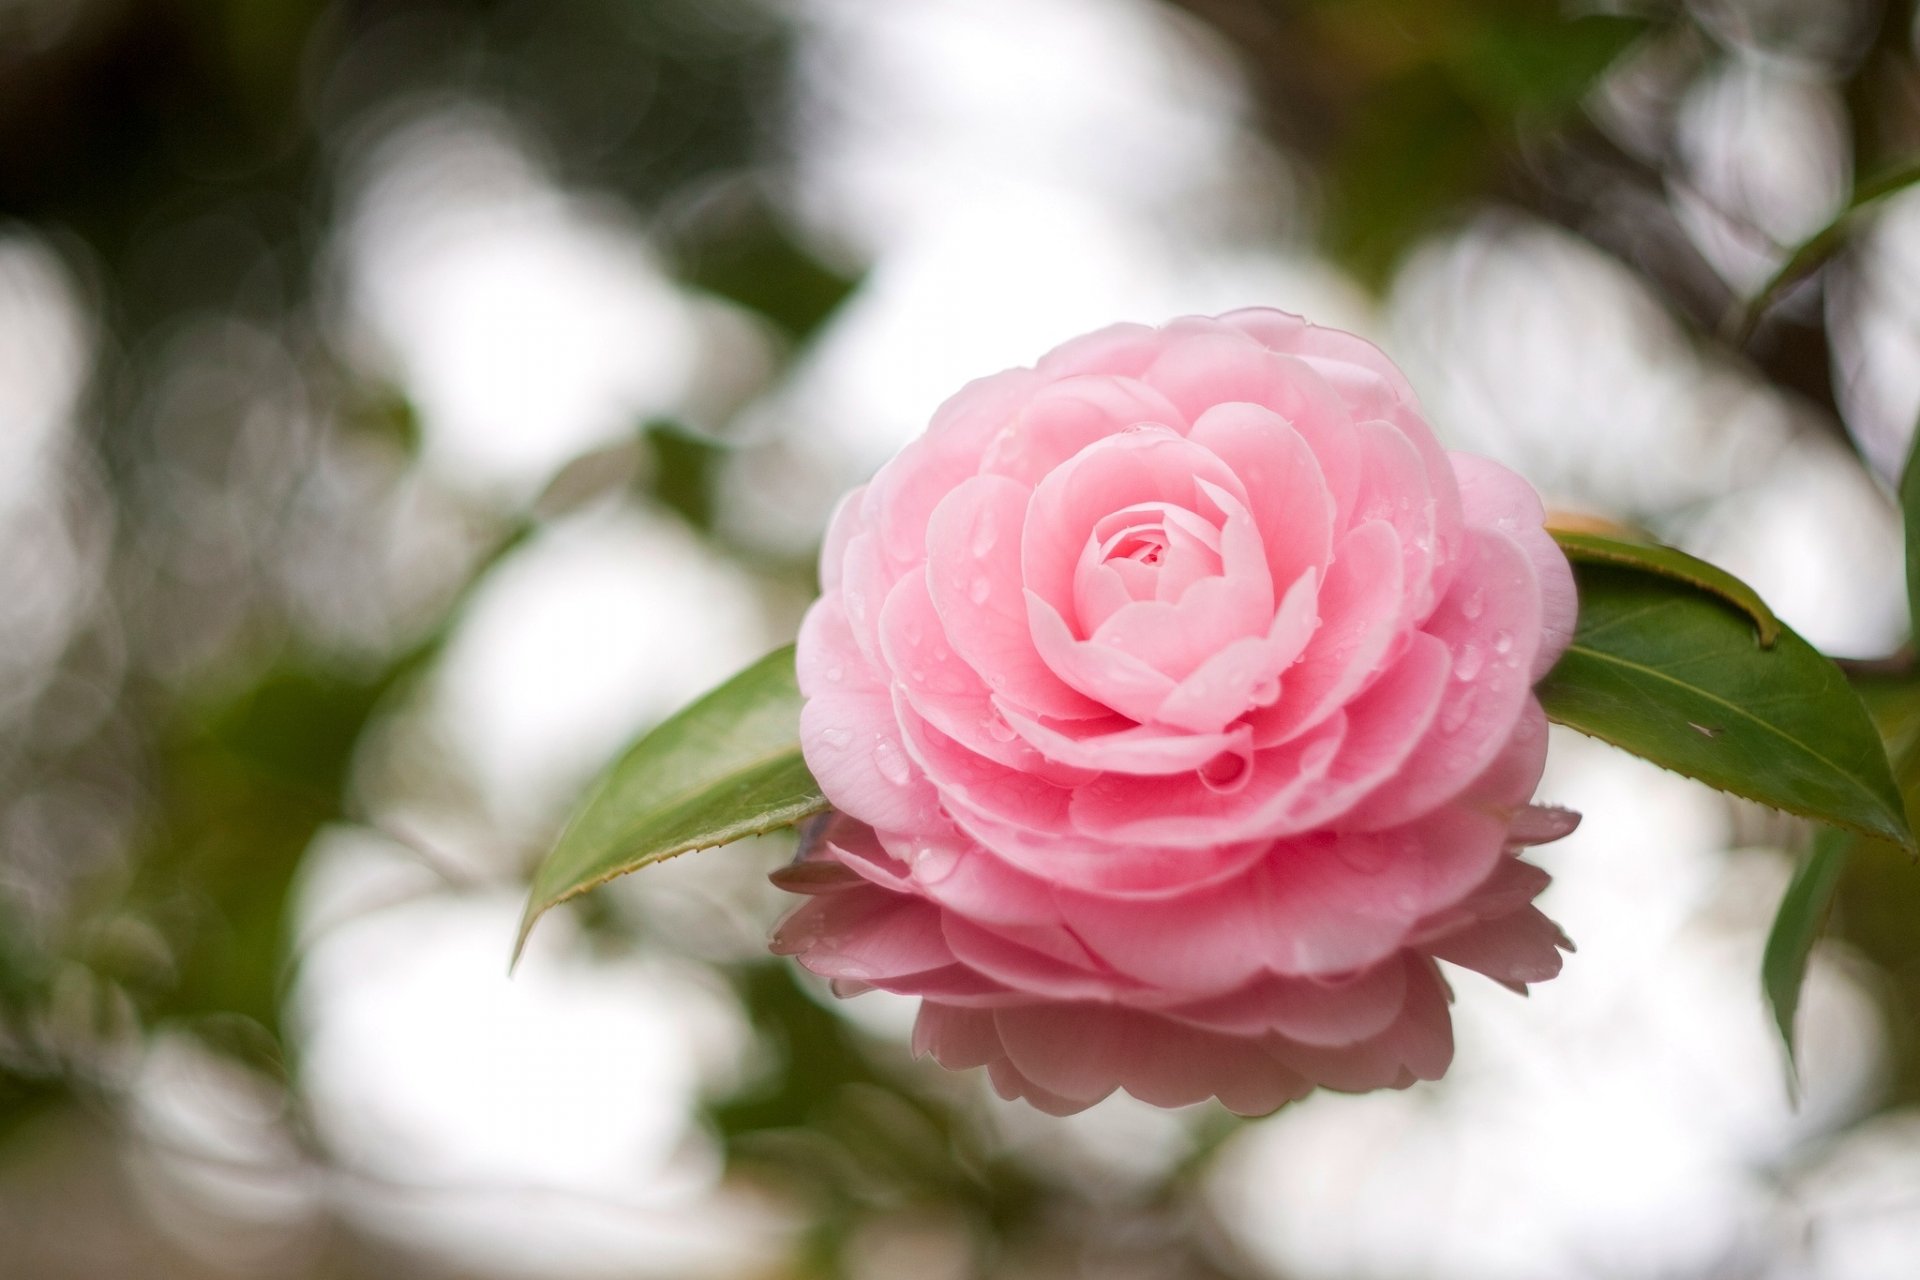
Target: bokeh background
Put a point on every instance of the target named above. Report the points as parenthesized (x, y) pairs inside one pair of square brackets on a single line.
[(405, 402)]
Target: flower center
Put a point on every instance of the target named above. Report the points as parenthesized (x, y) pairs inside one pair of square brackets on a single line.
[(1150, 551)]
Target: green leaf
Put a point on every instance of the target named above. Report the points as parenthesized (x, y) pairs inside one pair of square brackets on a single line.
[(1669, 562), (1672, 674), (1910, 510), (1797, 925), (725, 768)]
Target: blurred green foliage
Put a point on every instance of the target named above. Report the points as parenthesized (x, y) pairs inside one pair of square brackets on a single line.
[(180, 156)]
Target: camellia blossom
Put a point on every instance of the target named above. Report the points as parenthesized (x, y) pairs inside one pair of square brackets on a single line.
[(1175, 700)]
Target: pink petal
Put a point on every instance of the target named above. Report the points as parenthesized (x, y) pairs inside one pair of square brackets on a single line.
[(1146, 465), (1492, 497), (1000, 959), (1394, 488), (865, 934), (973, 575), (1081, 1053), (1359, 607), (1246, 673), (1490, 621), (956, 1038), (1124, 349), (1286, 492), (1385, 726), (1516, 949), (1313, 1011), (945, 691), (1200, 372), (848, 733), (1317, 904), (1065, 417), (846, 522), (1125, 747), (1358, 370), (1183, 811), (1108, 677), (1418, 1046)]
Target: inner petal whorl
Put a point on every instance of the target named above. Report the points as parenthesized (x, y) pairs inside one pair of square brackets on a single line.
[(1148, 551)]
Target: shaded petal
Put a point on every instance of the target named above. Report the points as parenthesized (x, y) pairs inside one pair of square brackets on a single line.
[(1318, 1011), (1417, 1046), (1081, 1053)]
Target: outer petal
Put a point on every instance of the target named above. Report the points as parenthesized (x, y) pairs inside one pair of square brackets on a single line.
[(1065, 417), (1490, 622), (1081, 1053), (1224, 367), (848, 732), (1492, 497)]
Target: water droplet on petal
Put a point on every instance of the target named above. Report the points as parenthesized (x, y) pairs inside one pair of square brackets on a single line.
[(980, 590), (1467, 663), (836, 739), (934, 863), (1503, 642), (998, 729), (1474, 605), (836, 673), (1453, 715), (985, 534), (892, 765)]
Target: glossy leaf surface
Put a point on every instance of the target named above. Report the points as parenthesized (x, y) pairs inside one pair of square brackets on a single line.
[(725, 768), (1677, 676)]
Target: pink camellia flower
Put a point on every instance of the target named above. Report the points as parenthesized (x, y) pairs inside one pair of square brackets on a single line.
[(1175, 699)]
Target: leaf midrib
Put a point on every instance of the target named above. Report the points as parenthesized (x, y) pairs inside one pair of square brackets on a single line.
[(1735, 708)]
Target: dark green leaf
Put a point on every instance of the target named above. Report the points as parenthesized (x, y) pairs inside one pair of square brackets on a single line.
[(1673, 674), (1801, 918), (1668, 562), (725, 768)]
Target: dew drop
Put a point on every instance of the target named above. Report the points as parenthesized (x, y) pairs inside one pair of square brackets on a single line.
[(934, 863), (1467, 663), (1454, 715), (985, 534), (998, 729), (1474, 605), (1503, 642), (837, 739), (980, 590), (891, 764), (836, 673)]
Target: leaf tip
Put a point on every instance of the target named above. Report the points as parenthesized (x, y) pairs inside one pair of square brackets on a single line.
[(535, 909)]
